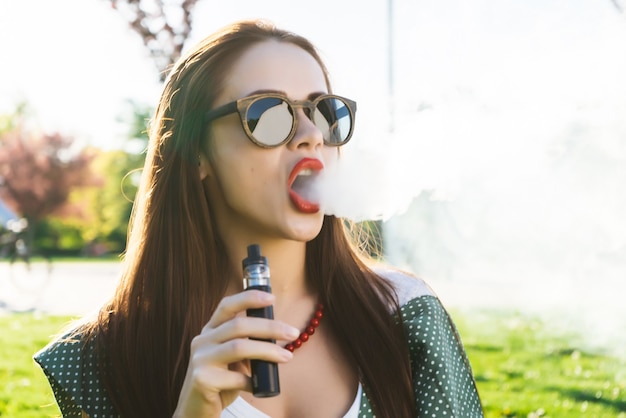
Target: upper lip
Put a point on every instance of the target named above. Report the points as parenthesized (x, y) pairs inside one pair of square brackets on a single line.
[(305, 164)]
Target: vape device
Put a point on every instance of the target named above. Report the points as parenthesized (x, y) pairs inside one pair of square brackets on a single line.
[(256, 276)]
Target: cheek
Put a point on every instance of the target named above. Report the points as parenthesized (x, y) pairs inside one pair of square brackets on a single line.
[(331, 155), (243, 170)]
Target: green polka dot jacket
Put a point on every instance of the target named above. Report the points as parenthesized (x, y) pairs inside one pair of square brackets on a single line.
[(442, 378)]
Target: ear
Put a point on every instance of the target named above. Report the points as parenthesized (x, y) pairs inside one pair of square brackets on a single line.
[(204, 167)]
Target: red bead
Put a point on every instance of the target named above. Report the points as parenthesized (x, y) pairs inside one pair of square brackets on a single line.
[(308, 331)]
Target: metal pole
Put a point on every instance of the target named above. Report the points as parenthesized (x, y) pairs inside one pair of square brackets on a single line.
[(390, 69)]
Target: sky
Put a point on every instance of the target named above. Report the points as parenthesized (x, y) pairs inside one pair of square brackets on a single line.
[(76, 62), (498, 148)]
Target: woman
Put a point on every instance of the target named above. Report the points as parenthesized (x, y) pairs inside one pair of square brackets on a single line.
[(245, 122)]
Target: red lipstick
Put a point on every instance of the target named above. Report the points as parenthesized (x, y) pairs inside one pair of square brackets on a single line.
[(304, 169)]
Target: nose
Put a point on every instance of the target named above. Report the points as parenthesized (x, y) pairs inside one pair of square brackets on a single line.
[(308, 135)]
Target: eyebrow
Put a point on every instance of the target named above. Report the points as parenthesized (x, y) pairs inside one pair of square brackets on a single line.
[(311, 96)]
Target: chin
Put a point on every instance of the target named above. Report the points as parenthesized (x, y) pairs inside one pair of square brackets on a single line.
[(307, 229)]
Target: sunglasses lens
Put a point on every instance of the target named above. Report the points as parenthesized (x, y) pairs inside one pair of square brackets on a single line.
[(269, 120), (332, 116)]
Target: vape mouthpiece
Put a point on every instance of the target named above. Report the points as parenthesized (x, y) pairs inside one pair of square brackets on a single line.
[(256, 271), (254, 256)]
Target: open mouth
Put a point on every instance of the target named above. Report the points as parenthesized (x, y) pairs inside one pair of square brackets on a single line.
[(301, 185)]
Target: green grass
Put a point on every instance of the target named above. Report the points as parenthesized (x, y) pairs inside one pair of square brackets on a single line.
[(24, 391), (525, 368), (522, 368)]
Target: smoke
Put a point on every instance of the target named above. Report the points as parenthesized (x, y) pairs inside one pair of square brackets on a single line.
[(532, 216), (504, 182), (362, 184), (509, 207)]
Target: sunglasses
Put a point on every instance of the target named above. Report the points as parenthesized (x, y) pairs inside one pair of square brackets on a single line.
[(269, 119)]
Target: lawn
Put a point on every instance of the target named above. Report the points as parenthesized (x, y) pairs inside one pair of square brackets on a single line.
[(522, 368), (24, 391)]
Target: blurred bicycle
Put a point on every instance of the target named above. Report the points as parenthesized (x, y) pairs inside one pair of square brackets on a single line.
[(13, 243), (28, 281)]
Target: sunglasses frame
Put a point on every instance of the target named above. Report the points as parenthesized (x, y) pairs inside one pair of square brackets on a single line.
[(242, 106)]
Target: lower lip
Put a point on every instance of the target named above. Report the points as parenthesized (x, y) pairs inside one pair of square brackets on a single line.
[(303, 205)]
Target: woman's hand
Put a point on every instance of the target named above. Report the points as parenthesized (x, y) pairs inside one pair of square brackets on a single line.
[(218, 366)]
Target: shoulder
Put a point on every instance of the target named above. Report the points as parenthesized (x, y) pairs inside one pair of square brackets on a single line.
[(408, 287), (70, 363), (417, 301), (442, 375), (65, 353)]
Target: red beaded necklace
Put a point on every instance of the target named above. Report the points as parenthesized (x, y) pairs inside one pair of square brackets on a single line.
[(309, 330)]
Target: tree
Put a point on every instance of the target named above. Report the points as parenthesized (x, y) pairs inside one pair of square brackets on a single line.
[(39, 171), (163, 26), (106, 208), (136, 117)]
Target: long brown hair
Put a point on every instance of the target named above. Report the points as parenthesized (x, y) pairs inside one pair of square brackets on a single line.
[(175, 261)]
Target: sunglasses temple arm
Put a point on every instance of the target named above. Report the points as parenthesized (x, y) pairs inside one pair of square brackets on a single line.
[(220, 111)]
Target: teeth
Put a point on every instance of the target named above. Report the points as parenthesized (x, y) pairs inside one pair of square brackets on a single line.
[(306, 172)]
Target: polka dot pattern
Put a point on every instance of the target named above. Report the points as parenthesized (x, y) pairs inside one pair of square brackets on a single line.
[(442, 378), (72, 370)]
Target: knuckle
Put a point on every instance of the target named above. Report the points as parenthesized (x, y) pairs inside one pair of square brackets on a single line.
[(202, 380), (237, 347), (222, 305), (196, 342), (227, 305), (239, 325)]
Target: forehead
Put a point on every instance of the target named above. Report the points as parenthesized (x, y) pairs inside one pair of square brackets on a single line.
[(274, 65)]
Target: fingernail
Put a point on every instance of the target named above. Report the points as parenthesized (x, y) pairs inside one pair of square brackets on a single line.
[(286, 354)]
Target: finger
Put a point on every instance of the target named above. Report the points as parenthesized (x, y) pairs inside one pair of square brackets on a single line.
[(242, 327), (242, 349), (216, 380), (241, 367), (232, 305)]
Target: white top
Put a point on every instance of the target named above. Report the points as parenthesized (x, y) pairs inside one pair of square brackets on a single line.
[(242, 409), (407, 287)]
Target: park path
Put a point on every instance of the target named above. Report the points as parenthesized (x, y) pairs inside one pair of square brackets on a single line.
[(62, 288), (593, 309), (78, 288)]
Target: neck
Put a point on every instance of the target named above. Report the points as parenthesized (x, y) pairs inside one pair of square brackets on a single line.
[(286, 260)]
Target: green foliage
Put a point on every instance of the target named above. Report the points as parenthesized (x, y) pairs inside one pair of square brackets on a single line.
[(110, 205), (84, 204), (101, 224), (55, 237), (136, 117), (523, 368)]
